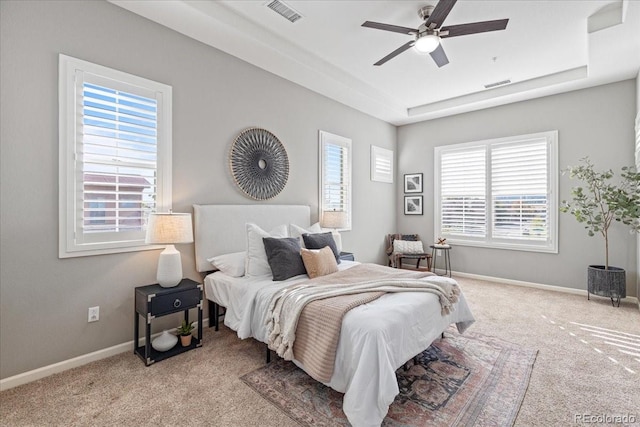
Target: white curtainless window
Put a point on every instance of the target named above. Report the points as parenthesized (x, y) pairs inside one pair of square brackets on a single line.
[(381, 164), (500, 193), (335, 180), (115, 157)]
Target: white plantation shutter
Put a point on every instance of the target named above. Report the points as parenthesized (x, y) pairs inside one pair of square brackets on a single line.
[(519, 190), (117, 154), (381, 164), (335, 174), (498, 193), (115, 157), (463, 191)]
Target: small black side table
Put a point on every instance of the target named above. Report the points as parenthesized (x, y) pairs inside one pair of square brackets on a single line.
[(347, 256), (447, 259), (153, 301)]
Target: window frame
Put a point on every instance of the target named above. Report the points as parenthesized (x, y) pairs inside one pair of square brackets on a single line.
[(326, 138), (548, 246), (382, 156), (70, 79)]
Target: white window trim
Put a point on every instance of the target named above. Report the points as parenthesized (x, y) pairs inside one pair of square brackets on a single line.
[(68, 66), (379, 154), (329, 138), (551, 246)]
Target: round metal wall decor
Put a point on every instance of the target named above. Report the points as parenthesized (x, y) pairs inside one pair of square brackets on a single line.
[(259, 163)]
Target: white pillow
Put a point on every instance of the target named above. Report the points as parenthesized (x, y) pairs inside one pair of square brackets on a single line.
[(407, 247), (230, 264), (257, 263), (297, 231)]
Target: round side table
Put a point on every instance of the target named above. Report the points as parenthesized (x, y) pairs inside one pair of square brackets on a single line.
[(447, 259)]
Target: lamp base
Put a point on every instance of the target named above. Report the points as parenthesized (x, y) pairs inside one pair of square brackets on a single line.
[(169, 267)]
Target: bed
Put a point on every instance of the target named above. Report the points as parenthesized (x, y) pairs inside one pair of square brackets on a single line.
[(376, 338)]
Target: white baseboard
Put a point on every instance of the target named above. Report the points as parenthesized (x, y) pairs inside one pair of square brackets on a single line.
[(45, 371), (531, 284)]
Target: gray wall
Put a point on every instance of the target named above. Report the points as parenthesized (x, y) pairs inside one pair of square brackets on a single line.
[(596, 122), (44, 300)]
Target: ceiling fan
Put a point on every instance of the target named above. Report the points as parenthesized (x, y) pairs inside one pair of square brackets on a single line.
[(428, 35)]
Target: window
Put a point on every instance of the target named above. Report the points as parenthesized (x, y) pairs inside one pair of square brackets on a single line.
[(115, 157), (335, 176), (381, 164), (500, 193)]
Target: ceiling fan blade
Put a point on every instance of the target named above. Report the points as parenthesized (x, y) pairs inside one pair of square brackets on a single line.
[(389, 27), (474, 28), (396, 52), (440, 13), (439, 57)]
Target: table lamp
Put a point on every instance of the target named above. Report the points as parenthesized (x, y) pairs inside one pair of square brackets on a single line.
[(333, 219), (168, 229)]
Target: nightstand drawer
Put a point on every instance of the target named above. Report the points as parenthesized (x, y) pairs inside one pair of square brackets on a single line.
[(175, 301)]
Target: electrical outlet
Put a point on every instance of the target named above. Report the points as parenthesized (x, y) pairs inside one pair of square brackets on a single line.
[(94, 314)]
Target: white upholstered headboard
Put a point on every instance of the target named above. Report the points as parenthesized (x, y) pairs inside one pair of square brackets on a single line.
[(221, 229)]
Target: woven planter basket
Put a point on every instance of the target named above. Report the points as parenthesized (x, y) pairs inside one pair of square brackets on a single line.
[(609, 283)]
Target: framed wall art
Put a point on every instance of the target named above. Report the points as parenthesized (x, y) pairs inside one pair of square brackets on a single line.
[(413, 183), (413, 205)]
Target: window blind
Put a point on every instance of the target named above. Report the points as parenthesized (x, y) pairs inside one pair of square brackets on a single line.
[(463, 193), (117, 154), (335, 175), (519, 187), (381, 164), (499, 193), (336, 189)]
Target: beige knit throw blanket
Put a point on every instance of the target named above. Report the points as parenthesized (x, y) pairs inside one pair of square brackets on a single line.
[(304, 320)]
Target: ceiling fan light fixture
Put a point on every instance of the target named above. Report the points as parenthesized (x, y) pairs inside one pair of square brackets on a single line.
[(427, 43)]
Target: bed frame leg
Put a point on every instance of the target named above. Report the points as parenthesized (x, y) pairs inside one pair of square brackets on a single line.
[(442, 335), (214, 315), (216, 308), (268, 355)]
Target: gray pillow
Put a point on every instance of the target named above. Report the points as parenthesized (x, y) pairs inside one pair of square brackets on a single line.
[(319, 241), (284, 257)]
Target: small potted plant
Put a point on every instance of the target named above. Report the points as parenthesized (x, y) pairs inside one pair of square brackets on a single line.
[(599, 205), (184, 330)]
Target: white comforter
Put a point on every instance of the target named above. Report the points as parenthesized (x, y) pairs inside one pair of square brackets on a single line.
[(376, 338)]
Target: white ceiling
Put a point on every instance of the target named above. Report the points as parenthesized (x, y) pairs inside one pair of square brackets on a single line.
[(548, 47)]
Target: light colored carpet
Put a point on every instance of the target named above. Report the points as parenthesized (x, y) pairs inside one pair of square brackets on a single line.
[(203, 387)]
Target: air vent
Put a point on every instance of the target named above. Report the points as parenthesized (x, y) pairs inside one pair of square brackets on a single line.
[(283, 10), (491, 85)]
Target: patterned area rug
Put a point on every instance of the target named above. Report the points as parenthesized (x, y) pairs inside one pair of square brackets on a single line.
[(462, 380)]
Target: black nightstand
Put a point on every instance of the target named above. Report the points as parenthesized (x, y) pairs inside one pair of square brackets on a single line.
[(153, 301), (347, 256)]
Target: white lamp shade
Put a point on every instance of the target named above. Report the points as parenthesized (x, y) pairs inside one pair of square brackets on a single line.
[(334, 219), (169, 228), (427, 43)]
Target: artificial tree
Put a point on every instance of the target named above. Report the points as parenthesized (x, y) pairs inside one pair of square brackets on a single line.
[(601, 203)]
